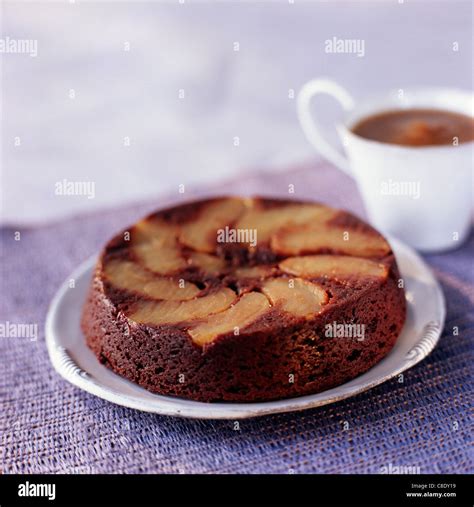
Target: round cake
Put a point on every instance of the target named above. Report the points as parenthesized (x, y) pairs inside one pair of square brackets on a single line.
[(233, 299)]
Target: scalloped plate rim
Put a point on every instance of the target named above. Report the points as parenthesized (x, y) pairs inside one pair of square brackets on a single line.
[(140, 399)]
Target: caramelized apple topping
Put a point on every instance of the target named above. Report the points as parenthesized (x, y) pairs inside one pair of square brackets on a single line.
[(130, 276), (209, 264), (248, 309), (173, 312), (262, 271), (160, 252), (269, 221), (333, 266), (201, 233), (295, 296), (154, 229), (158, 258), (310, 239)]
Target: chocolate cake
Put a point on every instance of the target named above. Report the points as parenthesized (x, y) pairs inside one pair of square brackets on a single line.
[(233, 299)]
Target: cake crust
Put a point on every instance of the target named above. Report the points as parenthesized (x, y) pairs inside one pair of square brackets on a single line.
[(278, 352)]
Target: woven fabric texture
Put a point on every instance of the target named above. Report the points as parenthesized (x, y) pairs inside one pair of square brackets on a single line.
[(49, 426)]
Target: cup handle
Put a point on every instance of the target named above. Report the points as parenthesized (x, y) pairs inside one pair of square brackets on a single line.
[(311, 128)]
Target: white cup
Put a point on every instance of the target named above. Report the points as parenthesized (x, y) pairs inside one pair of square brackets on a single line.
[(422, 195)]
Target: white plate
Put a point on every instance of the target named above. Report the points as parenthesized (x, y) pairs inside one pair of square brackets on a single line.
[(77, 364)]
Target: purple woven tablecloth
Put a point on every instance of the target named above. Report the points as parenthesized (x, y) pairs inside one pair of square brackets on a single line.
[(47, 425)]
